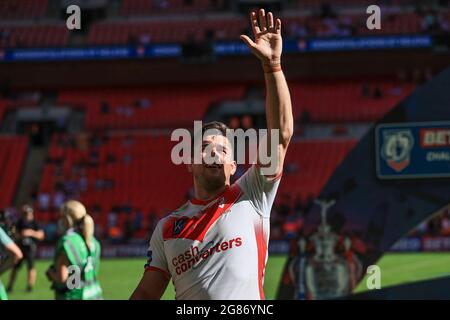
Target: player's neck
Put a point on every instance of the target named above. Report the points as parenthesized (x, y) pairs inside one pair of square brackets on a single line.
[(203, 194)]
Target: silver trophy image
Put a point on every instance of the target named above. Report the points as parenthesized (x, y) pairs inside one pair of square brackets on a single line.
[(327, 274)]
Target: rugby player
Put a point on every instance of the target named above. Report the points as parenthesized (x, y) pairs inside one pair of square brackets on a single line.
[(215, 246)]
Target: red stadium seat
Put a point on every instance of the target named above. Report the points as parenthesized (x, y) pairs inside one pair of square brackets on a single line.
[(12, 155), (22, 9), (151, 182), (164, 109)]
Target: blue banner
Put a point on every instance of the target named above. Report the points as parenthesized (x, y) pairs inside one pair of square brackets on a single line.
[(366, 43), (220, 49), (413, 150)]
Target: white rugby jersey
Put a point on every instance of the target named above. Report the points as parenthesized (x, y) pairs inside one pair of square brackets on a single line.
[(217, 249)]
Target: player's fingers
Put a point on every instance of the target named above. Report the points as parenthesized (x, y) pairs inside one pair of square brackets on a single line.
[(254, 22), (270, 21), (278, 26), (249, 42), (262, 20)]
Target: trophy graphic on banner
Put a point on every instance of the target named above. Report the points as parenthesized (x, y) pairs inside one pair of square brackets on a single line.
[(327, 273)]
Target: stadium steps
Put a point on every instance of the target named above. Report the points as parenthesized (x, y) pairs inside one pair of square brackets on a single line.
[(32, 173)]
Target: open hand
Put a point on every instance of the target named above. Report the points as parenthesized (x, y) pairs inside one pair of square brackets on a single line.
[(268, 43)]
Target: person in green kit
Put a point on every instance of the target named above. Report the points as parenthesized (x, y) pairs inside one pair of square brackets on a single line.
[(74, 273), (10, 254)]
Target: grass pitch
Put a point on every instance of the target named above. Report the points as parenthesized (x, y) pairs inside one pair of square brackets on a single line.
[(119, 277)]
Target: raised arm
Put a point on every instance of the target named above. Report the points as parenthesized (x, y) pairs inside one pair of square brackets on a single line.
[(267, 47)]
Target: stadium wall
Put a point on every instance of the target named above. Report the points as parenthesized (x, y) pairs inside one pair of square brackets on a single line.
[(142, 72)]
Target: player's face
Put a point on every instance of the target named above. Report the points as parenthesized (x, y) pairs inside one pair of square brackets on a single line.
[(217, 162)]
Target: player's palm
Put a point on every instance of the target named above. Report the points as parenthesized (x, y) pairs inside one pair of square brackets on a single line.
[(268, 44)]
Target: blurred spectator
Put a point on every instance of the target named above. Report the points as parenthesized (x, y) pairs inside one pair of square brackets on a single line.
[(51, 231), (83, 183), (44, 201), (144, 38), (305, 117), (58, 199), (291, 226), (284, 208), (82, 141), (298, 30), (128, 229), (234, 123), (247, 122), (445, 224), (326, 11), (377, 93), (94, 157), (112, 219), (115, 235), (71, 188), (138, 220), (104, 107), (143, 103), (160, 4)]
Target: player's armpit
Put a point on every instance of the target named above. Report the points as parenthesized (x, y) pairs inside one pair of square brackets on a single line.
[(273, 171), (152, 285)]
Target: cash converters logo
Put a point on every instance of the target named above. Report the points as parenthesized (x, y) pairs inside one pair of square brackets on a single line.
[(194, 257)]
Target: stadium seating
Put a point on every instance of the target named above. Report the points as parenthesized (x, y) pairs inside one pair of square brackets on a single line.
[(344, 101), (142, 173), (315, 4), (145, 178), (313, 163), (156, 107), (165, 31), (146, 7), (178, 30), (12, 155), (2, 110), (42, 35), (22, 9)]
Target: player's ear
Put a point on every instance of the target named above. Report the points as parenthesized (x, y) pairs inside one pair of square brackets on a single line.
[(233, 167)]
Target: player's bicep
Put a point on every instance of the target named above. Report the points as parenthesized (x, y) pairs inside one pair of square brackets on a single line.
[(156, 256), (151, 287)]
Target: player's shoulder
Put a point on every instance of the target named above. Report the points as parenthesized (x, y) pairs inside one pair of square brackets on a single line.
[(70, 236), (177, 213)]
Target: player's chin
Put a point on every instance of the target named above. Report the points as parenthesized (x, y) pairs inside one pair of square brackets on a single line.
[(215, 179)]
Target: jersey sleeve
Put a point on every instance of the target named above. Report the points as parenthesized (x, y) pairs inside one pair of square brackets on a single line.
[(260, 189), (156, 257), (4, 238)]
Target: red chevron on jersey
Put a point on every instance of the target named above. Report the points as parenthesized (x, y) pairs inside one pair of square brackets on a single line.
[(195, 227)]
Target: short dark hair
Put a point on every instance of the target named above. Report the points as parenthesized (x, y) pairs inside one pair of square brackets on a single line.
[(220, 126), (214, 125)]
